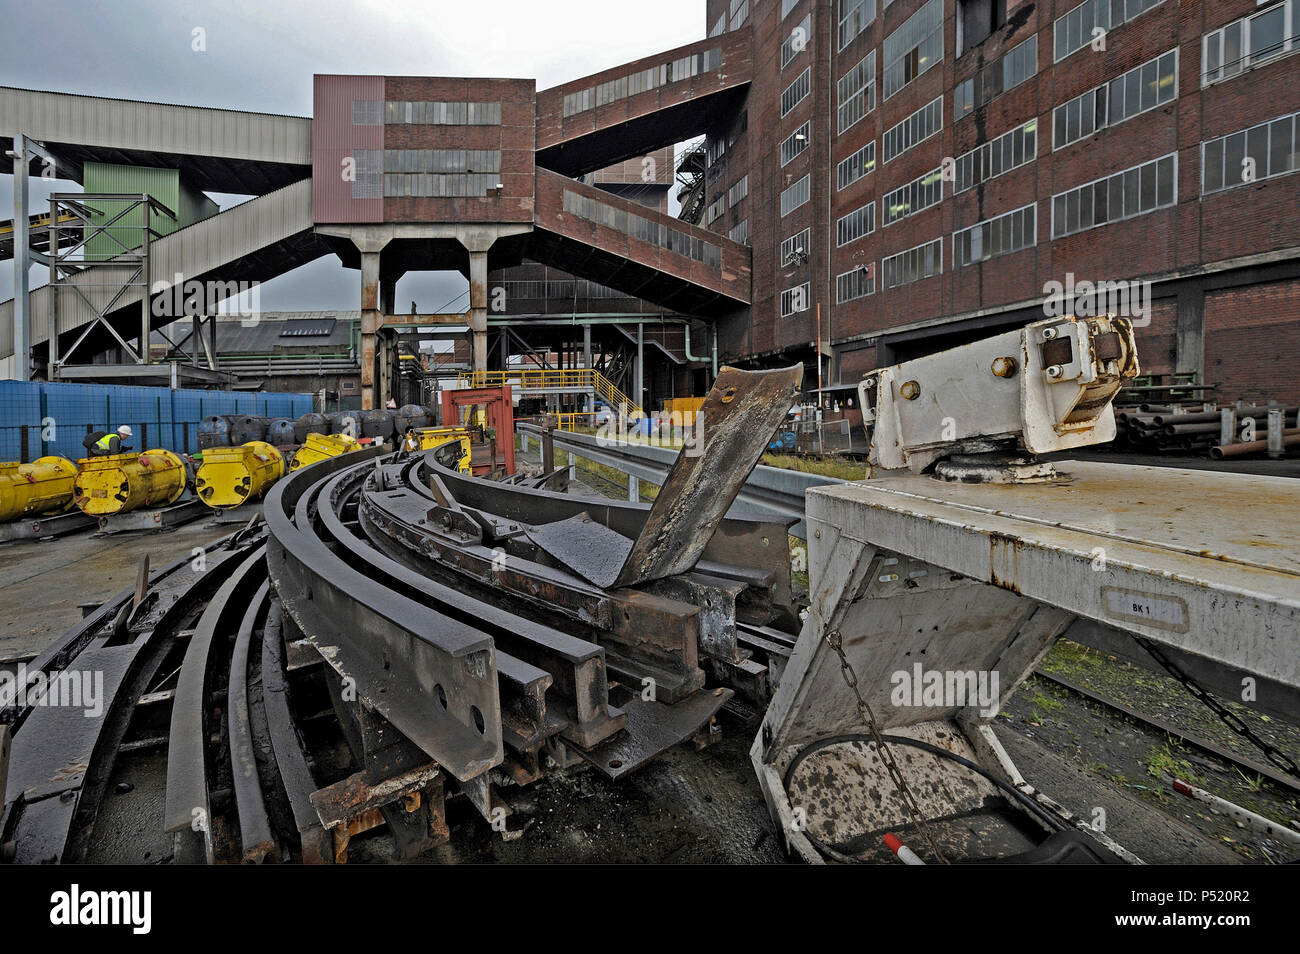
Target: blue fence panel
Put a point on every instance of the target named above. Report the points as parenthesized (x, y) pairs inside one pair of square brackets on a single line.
[(38, 418)]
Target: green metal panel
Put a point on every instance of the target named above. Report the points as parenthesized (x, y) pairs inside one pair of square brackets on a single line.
[(188, 203)]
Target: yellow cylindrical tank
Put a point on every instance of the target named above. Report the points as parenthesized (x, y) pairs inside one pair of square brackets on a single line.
[(430, 437), (231, 476), (321, 447), (43, 486), (122, 482)]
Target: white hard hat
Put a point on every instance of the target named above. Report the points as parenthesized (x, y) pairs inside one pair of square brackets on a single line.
[(124, 430)]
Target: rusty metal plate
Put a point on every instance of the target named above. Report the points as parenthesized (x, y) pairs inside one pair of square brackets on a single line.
[(585, 546), (741, 412), (652, 728)]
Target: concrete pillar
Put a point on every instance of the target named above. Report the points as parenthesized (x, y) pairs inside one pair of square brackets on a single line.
[(371, 321), (1190, 331), (478, 304)]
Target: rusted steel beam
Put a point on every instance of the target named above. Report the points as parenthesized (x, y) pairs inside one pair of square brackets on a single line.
[(740, 414)]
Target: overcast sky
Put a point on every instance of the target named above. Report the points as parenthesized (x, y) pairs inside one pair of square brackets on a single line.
[(261, 56)]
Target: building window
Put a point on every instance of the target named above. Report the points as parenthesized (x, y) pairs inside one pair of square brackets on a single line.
[(1142, 88), (1009, 151), (856, 166), (740, 232), (795, 143), (739, 13), (924, 261), (794, 300), (794, 247), (795, 92), (1137, 191), (442, 114), (797, 41), (855, 225), (914, 47), (369, 170), (857, 92), (715, 209), (737, 192), (856, 283), (916, 196), (643, 229), (1077, 28), (1014, 67), (916, 128), (795, 196), (976, 20), (787, 6), (1001, 235), (367, 112), (613, 90), (1248, 42), (855, 16), (1260, 152)]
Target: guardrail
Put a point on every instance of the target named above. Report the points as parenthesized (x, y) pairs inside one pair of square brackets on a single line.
[(770, 490)]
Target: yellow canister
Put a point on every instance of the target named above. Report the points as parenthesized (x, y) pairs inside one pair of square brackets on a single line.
[(123, 482), (322, 447), (231, 476), (43, 486)]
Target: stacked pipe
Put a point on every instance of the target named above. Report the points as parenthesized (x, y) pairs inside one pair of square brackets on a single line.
[(1167, 429)]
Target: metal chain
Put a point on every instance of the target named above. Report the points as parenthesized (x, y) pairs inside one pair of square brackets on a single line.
[(1229, 718), (836, 642)]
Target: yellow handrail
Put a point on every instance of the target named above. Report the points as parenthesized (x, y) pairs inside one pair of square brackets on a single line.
[(544, 379)]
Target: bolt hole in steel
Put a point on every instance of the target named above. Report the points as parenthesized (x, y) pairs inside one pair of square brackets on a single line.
[(442, 695), (615, 763), (478, 719)]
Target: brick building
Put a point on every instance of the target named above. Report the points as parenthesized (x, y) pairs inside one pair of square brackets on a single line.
[(925, 170)]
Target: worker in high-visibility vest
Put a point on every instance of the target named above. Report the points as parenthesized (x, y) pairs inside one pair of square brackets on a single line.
[(107, 443)]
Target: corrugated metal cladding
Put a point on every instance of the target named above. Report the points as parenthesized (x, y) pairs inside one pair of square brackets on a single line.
[(156, 127), (336, 138), (56, 415), (201, 248)]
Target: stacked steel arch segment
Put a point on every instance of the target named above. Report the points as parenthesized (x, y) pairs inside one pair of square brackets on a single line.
[(441, 623)]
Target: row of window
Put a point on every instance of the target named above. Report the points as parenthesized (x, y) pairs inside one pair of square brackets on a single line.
[(855, 16), (921, 193), (855, 225), (613, 90), (794, 300), (442, 160), (737, 192), (1248, 42), (856, 166), (1144, 87), (794, 246), (646, 230), (1014, 67), (429, 185), (1145, 188), (856, 92), (797, 41), (794, 93), (1078, 28), (914, 47), (916, 128), (1009, 151), (795, 143), (856, 283), (1000, 235), (368, 113), (796, 195), (1260, 152), (740, 232), (924, 261)]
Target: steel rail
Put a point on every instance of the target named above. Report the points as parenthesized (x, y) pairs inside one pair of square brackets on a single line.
[(576, 666), (187, 810), (50, 810), (258, 840), (402, 657)]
